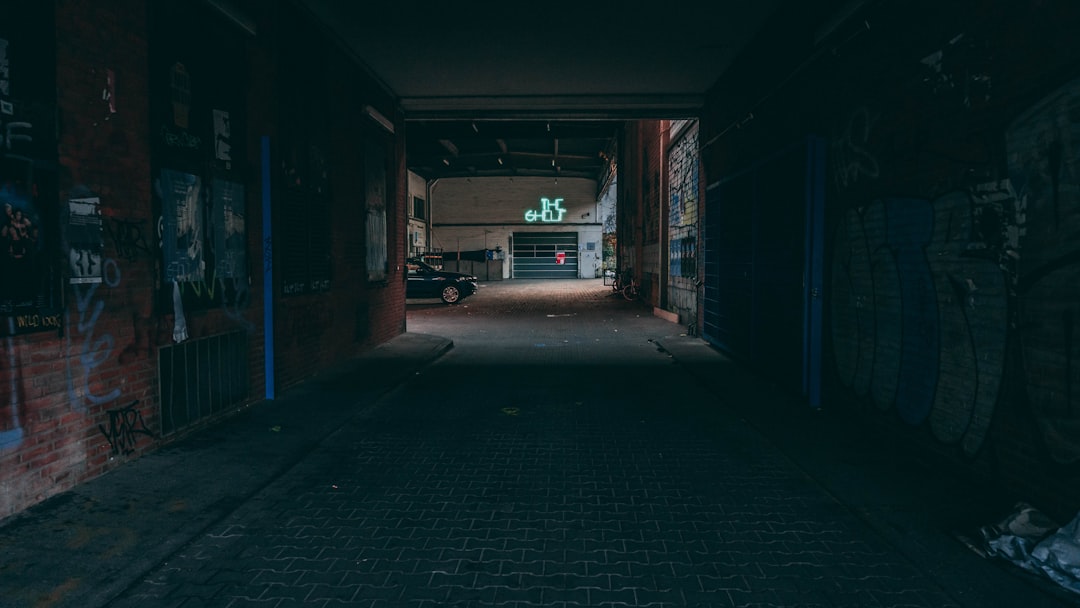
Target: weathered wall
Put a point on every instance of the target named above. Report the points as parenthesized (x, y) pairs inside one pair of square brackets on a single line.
[(140, 171), (952, 278), (642, 202)]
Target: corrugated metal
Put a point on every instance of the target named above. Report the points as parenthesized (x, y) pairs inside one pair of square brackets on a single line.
[(536, 255)]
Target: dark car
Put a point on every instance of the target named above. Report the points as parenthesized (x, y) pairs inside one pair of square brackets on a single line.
[(427, 282)]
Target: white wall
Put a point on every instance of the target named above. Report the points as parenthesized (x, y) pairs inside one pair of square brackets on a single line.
[(418, 228), (482, 213)]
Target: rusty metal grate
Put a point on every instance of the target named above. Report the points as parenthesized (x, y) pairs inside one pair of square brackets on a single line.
[(201, 377)]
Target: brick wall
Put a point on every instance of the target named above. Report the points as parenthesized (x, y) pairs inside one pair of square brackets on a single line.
[(643, 192), (63, 392), (321, 329), (952, 226)]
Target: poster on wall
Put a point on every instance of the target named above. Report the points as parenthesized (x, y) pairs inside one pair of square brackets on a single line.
[(21, 251), (222, 137), (85, 240), (30, 290), (230, 235), (182, 225), (375, 199)]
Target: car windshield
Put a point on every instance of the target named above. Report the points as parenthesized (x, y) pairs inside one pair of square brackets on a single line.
[(420, 266)]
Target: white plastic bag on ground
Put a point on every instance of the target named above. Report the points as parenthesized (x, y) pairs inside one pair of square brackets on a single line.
[(1058, 555), (1031, 540)]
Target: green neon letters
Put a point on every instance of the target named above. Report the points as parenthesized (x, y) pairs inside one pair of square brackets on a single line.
[(550, 211)]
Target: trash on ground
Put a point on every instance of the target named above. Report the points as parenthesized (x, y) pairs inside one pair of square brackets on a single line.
[(1030, 539)]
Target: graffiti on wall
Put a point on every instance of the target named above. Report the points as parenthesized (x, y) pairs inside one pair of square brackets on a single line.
[(93, 346), (124, 428), (922, 291), (919, 313), (684, 177), (1043, 151), (960, 69), (11, 428), (128, 237)]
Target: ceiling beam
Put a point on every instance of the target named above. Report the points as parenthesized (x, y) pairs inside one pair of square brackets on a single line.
[(578, 107)]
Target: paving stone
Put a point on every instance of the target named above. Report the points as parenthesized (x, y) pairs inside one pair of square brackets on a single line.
[(619, 480)]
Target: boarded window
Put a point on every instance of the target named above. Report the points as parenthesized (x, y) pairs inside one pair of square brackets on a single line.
[(375, 201)]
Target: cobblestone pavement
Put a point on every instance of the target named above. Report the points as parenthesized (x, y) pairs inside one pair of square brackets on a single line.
[(556, 456)]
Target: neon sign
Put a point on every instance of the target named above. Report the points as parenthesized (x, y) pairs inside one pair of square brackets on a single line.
[(550, 211)]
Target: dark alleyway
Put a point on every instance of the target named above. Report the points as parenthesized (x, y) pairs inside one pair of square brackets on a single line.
[(562, 453)]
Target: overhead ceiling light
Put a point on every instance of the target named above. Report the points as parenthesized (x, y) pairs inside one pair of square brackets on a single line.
[(449, 145), (377, 116), (446, 161), (475, 130), (234, 14), (500, 160)]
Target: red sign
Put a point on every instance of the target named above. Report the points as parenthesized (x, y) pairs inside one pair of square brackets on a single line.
[(560, 257)]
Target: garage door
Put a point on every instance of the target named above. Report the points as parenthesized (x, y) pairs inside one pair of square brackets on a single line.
[(545, 255)]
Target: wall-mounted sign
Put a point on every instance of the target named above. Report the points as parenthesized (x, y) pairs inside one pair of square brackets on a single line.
[(550, 211)]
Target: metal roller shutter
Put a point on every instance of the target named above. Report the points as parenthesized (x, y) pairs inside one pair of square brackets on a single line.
[(537, 255)]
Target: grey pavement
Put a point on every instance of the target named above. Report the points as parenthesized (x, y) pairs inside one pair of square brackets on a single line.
[(570, 449)]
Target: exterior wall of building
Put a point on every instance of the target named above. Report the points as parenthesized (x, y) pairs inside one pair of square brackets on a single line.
[(417, 235), (642, 235), (146, 213), (681, 221), (951, 279), (659, 208), (470, 215)]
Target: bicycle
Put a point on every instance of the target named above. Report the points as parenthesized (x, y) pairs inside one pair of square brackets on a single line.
[(630, 289), (619, 279)]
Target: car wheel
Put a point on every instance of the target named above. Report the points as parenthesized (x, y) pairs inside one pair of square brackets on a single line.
[(451, 294)]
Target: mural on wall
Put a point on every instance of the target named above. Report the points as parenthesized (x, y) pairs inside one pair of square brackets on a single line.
[(1043, 152)]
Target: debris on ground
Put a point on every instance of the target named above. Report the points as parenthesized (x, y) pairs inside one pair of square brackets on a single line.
[(1033, 541)]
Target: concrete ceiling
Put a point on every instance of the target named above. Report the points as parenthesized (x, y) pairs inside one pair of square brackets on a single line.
[(528, 83)]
